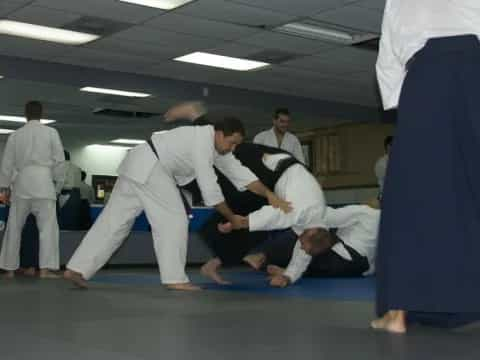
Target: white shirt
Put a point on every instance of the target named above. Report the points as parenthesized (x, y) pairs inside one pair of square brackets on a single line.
[(407, 25), (87, 192), (33, 162), (73, 176), (187, 153), (357, 226), (298, 186), (381, 170), (289, 143)]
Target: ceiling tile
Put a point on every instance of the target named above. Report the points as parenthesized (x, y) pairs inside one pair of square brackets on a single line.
[(372, 4), (273, 40), (167, 39), (9, 6), (234, 13), (354, 17), (200, 27), (109, 9), (300, 8), (43, 16), (34, 49)]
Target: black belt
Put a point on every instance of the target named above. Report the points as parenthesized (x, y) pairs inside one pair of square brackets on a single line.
[(66, 191), (187, 206)]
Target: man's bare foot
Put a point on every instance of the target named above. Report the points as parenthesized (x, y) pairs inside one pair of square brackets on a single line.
[(256, 261), (31, 272), (76, 278), (274, 270), (393, 322), (210, 270), (48, 274), (8, 275), (183, 287)]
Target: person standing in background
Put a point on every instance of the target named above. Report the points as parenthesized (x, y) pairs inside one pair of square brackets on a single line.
[(86, 191), (33, 166), (382, 163), (427, 260), (279, 136)]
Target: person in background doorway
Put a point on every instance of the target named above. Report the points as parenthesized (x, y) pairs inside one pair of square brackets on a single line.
[(382, 163)]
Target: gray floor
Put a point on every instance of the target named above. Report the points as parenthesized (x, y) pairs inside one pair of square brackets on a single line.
[(50, 320)]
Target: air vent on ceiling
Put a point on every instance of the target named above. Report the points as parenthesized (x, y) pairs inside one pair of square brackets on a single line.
[(273, 56), (127, 114), (96, 25)]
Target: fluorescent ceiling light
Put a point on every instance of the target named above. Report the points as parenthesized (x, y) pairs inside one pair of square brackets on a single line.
[(6, 131), (224, 62), (22, 119), (127, 141), (160, 132), (38, 32), (159, 4), (114, 92), (313, 30), (1, 77)]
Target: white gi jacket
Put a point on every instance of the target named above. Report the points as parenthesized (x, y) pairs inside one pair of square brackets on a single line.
[(33, 162), (298, 186), (357, 226), (187, 153), (289, 143), (407, 25)]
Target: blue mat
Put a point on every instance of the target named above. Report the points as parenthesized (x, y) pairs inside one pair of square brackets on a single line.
[(349, 289)]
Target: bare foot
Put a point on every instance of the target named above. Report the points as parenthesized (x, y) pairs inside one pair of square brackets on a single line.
[(256, 261), (393, 322), (274, 270), (8, 275), (30, 272), (76, 278), (210, 270), (47, 274), (183, 287)]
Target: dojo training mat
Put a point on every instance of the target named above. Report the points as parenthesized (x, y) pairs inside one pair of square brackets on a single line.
[(340, 289)]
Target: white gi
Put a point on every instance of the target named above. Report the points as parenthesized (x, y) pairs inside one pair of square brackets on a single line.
[(407, 25), (298, 186), (289, 143), (87, 192), (150, 184), (73, 179), (357, 226), (33, 165), (381, 171)]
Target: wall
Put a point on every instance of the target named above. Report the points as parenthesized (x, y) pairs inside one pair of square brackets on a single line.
[(351, 155)]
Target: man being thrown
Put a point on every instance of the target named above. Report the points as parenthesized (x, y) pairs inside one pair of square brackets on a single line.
[(148, 178), (348, 252), (292, 182)]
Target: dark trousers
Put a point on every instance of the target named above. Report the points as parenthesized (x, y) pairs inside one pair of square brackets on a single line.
[(428, 248)]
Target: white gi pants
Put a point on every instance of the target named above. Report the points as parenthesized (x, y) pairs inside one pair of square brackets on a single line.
[(45, 213), (161, 201)]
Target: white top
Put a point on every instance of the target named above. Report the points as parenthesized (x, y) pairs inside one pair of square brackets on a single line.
[(407, 25), (357, 226), (298, 186), (289, 143), (87, 192), (33, 162), (187, 153), (381, 170), (73, 176)]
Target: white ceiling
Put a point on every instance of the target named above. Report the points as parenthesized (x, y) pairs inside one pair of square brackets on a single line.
[(152, 37)]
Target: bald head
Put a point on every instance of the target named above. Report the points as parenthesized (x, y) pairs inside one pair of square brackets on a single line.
[(316, 241)]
